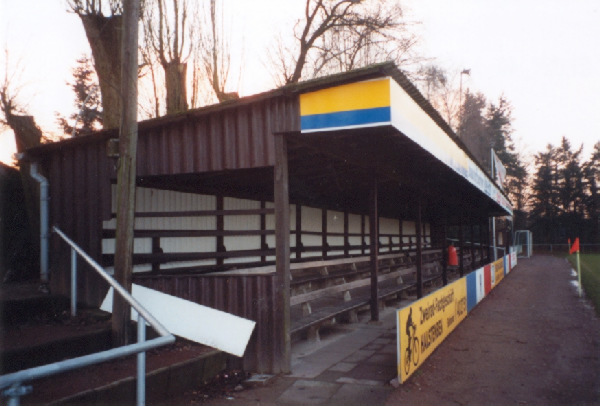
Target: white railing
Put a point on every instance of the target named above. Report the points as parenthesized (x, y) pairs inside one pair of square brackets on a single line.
[(12, 384)]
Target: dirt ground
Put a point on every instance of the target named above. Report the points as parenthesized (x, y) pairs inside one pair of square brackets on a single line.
[(532, 341)]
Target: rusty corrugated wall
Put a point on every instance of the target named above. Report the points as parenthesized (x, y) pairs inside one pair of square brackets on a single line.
[(79, 177), (238, 137), (231, 136)]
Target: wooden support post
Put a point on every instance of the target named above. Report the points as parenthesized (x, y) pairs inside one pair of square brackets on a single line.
[(346, 231), (472, 235), (128, 135), (282, 255), (156, 249), (324, 233), (298, 231), (419, 256), (461, 244), (374, 247), (481, 242), (263, 228), (400, 239), (490, 240), (444, 253), (220, 227), (362, 234)]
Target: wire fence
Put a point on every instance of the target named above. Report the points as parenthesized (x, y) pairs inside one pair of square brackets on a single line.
[(564, 249)]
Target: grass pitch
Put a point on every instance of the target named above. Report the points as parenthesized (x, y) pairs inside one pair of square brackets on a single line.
[(590, 276)]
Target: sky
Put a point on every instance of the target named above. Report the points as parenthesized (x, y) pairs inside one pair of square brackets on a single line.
[(541, 55)]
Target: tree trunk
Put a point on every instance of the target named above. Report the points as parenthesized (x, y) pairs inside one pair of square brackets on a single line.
[(175, 78), (104, 35)]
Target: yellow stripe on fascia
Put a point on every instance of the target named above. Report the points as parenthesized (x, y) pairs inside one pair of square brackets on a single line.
[(353, 96)]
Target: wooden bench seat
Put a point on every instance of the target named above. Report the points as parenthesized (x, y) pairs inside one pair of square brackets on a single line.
[(317, 308)]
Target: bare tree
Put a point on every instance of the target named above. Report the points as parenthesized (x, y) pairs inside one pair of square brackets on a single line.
[(168, 34), (152, 76), (440, 87), (13, 115), (216, 56), (103, 32), (336, 35)]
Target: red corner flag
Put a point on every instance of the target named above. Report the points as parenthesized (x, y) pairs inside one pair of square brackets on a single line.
[(575, 246)]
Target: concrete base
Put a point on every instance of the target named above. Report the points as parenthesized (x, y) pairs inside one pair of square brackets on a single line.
[(161, 384)]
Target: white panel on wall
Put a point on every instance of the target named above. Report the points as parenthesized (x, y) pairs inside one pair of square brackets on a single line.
[(238, 222), (140, 246), (311, 219), (354, 222), (241, 260), (335, 221), (408, 227), (388, 226), (335, 224), (188, 244)]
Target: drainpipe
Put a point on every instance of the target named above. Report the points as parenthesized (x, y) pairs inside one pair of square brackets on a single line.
[(44, 235)]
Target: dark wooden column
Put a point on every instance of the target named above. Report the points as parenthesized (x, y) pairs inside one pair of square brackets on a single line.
[(444, 252), (362, 235), (324, 244), (220, 227), (298, 231), (401, 239), (481, 242), (282, 255), (419, 257), (263, 229), (472, 238), (346, 232), (490, 232), (461, 244), (374, 247)]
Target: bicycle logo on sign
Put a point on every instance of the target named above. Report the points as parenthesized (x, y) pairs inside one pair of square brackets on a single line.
[(411, 354)]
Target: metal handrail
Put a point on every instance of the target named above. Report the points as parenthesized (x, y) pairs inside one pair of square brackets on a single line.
[(14, 380)]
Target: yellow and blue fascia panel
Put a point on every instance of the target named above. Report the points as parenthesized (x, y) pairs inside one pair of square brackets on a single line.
[(354, 105)]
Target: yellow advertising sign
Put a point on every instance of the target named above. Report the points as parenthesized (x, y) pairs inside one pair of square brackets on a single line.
[(352, 96), (425, 324), (498, 271)]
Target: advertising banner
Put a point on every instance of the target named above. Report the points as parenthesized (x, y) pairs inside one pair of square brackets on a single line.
[(475, 288), (498, 271), (424, 325), (487, 278)]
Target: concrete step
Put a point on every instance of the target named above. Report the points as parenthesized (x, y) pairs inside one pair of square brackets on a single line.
[(34, 344), (170, 371), (24, 302), (37, 329)]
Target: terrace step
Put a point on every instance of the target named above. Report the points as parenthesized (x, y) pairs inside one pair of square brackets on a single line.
[(39, 330)]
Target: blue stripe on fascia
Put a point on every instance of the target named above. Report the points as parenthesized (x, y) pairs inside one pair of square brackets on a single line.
[(471, 291), (346, 118)]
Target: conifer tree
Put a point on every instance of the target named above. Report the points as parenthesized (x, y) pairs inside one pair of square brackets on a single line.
[(87, 116)]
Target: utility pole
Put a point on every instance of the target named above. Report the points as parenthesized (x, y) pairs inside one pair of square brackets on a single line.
[(460, 107), (128, 134)]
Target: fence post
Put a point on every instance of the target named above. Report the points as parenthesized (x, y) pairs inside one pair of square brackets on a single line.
[(141, 363), (73, 282)]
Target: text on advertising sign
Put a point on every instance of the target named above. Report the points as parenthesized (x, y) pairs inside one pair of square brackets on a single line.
[(424, 324)]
